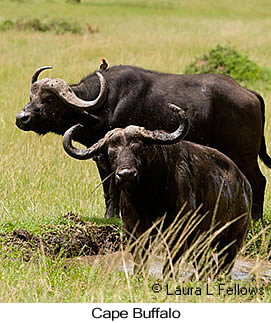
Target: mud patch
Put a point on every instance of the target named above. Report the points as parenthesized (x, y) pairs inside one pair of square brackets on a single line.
[(244, 269), (72, 239), (103, 246)]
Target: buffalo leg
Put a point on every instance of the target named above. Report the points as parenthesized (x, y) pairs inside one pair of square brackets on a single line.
[(227, 246), (258, 183), (114, 199), (111, 193)]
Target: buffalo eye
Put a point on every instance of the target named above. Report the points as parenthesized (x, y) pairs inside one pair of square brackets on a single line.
[(136, 146), (112, 153), (101, 160), (48, 99)]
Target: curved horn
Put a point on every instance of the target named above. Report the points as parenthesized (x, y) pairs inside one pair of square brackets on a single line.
[(163, 138), (65, 92), (74, 152), (37, 73)]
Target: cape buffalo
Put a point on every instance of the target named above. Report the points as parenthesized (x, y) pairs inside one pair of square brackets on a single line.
[(223, 114), (158, 176)]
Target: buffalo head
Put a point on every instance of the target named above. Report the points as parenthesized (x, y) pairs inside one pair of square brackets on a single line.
[(126, 148), (54, 105)]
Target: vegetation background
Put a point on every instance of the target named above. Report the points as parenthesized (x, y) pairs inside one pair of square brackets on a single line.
[(39, 182)]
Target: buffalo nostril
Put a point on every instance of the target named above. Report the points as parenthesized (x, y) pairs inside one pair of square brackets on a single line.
[(126, 174), (25, 118), (22, 118)]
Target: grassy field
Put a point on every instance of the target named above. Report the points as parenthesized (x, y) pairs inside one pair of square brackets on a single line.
[(39, 182)]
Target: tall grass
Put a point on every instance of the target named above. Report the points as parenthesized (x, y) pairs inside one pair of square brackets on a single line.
[(83, 279), (38, 182)]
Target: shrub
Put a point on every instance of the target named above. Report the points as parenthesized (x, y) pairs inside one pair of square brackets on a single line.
[(226, 60), (35, 24), (62, 27), (6, 25), (72, 1), (31, 24)]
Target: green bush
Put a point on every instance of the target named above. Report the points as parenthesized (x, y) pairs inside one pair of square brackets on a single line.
[(31, 24), (226, 60), (62, 27), (6, 25), (35, 24)]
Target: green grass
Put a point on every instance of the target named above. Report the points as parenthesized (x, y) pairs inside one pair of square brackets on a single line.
[(39, 182)]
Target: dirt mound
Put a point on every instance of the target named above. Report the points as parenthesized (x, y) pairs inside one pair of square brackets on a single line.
[(77, 238)]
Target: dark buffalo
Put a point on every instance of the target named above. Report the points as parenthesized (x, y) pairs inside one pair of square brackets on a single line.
[(224, 115), (158, 176)]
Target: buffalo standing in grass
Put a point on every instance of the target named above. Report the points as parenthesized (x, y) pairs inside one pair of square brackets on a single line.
[(157, 176), (223, 114)]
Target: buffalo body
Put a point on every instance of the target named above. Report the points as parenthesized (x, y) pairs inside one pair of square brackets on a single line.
[(224, 115)]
